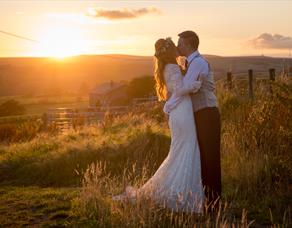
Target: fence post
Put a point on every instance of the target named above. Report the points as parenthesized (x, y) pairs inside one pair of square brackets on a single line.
[(229, 80), (272, 73), (45, 120), (250, 83)]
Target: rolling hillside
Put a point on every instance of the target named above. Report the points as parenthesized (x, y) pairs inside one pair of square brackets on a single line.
[(23, 76)]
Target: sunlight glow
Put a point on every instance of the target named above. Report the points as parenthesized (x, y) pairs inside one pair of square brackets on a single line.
[(61, 42)]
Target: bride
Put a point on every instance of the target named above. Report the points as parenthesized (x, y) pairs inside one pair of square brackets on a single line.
[(177, 183)]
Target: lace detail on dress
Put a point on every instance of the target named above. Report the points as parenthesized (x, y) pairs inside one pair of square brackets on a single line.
[(173, 77)]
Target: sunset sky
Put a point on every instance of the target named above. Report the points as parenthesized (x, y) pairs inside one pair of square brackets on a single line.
[(62, 28)]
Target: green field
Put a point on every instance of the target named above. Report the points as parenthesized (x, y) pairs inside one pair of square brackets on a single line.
[(40, 104), (53, 179), (34, 206)]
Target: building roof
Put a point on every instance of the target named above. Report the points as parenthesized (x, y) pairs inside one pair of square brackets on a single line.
[(106, 87)]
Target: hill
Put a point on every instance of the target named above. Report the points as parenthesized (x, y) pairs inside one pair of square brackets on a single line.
[(24, 76)]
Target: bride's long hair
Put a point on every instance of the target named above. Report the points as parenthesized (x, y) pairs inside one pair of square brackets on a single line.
[(165, 52)]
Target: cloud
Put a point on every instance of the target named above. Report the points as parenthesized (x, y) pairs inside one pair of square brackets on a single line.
[(269, 41), (118, 14)]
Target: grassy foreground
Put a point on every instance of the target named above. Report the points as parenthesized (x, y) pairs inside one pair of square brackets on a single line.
[(68, 179), (34, 206)]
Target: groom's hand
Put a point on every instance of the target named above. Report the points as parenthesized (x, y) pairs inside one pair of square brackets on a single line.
[(200, 77)]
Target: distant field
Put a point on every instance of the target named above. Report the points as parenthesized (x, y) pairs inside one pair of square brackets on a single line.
[(44, 75), (40, 104)]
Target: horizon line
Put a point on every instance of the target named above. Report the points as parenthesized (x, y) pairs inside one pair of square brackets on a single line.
[(115, 54)]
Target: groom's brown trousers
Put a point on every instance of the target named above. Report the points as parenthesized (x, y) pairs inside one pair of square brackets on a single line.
[(208, 127)]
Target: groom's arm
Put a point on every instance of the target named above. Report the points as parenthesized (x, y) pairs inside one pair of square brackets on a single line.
[(193, 78), (190, 84)]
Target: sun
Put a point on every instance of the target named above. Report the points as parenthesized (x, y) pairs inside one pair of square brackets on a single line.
[(61, 42)]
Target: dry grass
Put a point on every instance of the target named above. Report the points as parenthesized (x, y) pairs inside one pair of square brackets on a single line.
[(102, 159)]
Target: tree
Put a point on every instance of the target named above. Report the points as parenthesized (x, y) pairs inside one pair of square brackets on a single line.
[(141, 87), (11, 107)]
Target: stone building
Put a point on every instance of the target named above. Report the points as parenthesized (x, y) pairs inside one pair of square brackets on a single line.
[(108, 94)]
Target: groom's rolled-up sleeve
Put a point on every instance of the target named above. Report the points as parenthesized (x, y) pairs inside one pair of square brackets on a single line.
[(190, 84)]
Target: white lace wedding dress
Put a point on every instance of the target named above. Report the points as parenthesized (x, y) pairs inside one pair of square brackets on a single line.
[(177, 183)]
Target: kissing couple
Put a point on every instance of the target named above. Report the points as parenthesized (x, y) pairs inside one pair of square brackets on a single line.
[(190, 175)]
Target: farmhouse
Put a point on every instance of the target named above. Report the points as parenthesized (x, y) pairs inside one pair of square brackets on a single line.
[(108, 94)]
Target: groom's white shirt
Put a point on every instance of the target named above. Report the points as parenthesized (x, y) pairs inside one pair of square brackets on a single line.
[(197, 66)]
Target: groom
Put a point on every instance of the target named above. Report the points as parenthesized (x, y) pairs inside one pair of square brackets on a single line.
[(206, 113)]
